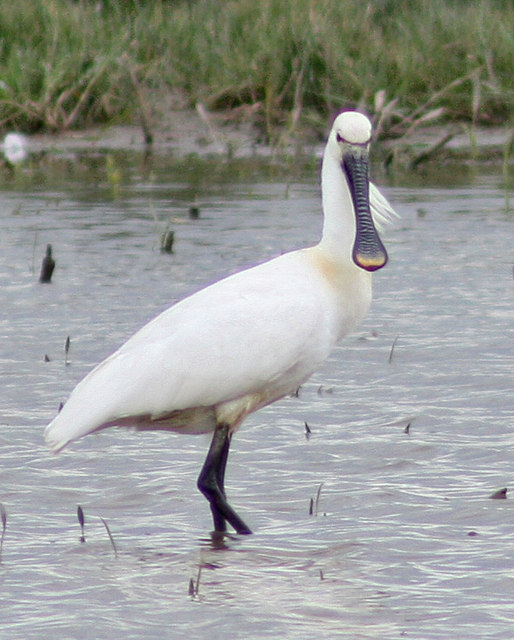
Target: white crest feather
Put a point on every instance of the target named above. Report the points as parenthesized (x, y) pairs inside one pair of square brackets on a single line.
[(381, 210)]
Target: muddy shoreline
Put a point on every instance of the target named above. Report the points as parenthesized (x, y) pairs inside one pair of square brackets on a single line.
[(186, 132)]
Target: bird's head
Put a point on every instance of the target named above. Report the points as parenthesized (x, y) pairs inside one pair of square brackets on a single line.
[(349, 140)]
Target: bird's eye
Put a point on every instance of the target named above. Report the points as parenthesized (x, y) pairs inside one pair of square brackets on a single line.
[(339, 138)]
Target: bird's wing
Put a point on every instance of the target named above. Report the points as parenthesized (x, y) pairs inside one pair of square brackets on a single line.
[(221, 343)]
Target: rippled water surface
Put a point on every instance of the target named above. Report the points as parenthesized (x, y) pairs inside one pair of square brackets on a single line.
[(404, 540)]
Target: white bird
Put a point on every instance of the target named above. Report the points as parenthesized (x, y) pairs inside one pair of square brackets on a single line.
[(245, 341), (15, 148)]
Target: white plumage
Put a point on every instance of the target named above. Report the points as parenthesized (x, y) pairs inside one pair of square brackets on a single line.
[(211, 359)]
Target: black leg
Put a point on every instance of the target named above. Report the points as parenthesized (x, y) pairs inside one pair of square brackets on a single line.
[(211, 482), (223, 464)]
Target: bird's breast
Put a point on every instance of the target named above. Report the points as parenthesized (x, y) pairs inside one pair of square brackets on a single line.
[(347, 290)]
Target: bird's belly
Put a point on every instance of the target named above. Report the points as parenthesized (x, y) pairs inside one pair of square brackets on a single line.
[(200, 420), (193, 421), (233, 412)]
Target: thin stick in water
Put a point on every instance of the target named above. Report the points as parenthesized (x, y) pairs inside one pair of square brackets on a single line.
[(167, 240), (82, 522), (316, 502), (67, 345), (110, 537), (3, 516), (47, 266), (392, 349)]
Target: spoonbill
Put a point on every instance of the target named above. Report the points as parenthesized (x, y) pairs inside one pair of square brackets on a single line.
[(247, 340)]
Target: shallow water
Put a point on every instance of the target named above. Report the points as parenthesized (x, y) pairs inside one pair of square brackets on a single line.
[(404, 541)]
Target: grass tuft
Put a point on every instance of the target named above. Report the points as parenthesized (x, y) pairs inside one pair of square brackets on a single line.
[(283, 63)]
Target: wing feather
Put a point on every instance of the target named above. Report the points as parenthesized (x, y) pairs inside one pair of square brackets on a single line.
[(219, 344)]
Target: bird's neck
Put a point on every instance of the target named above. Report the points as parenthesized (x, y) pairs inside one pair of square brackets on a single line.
[(338, 212)]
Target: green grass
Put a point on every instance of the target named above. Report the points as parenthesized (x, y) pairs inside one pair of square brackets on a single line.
[(67, 64)]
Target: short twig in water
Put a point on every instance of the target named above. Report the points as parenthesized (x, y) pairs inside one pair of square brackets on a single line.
[(314, 503), (307, 431), (167, 239), (392, 349), (47, 266), (82, 522), (194, 212), (3, 516), (67, 345), (110, 537)]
